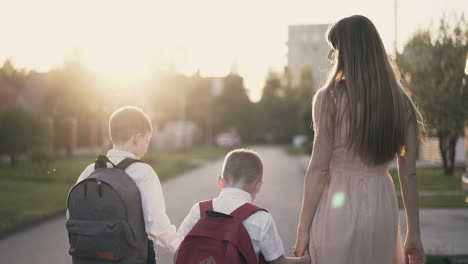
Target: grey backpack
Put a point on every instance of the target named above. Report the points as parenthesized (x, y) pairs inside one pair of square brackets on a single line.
[(106, 222)]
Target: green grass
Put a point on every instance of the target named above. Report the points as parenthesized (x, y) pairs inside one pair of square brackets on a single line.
[(435, 260), (60, 170), (29, 191), (297, 151), (446, 259), (432, 180), (24, 201)]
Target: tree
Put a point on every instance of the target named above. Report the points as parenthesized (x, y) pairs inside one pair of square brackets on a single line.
[(14, 77), (78, 105), (304, 93), (75, 92), (200, 104), (21, 131), (277, 109), (190, 98), (433, 64), (169, 96), (232, 108)]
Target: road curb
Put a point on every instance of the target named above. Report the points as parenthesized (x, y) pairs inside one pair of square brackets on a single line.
[(31, 224)]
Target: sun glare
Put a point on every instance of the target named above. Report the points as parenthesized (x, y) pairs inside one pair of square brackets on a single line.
[(125, 41)]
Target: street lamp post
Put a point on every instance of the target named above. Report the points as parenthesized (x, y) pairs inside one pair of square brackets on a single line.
[(217, 86), (395, 10), (465, 176)]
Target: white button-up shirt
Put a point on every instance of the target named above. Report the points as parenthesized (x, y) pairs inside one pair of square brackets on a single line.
[(260, 226), (157, 223)]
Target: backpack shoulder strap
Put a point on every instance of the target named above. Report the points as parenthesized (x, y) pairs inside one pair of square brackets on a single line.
[(246, 210), (262, 260), (205, 206), (101, 162), (246, 246), (126, 162)]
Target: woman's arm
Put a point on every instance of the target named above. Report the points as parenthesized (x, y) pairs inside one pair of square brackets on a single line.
[(317, 174), (408, 184), (408, 181), (314, 184)]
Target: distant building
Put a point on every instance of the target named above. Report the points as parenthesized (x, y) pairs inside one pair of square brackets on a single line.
[(30, 96), (34, 92), (72, 135), (175, 135), (8, 95), (307, 46)]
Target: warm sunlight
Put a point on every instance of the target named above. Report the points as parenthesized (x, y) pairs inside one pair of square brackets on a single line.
[(127, 40), (143, 131)]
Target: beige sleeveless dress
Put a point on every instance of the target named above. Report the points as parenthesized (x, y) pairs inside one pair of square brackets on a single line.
[(357, 220)]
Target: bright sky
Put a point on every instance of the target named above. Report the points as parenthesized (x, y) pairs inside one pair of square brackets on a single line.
[(127, 40)]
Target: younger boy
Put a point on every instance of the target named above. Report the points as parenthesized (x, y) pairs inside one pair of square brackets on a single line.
[(240, 182), (130, 132)]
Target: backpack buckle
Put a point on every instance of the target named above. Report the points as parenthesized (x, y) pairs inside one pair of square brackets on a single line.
[(99, 185)]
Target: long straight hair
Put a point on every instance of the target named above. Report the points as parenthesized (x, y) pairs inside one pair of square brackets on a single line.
[(366, 88)]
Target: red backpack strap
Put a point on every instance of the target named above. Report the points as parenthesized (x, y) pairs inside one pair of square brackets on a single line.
[(242, 213), (204, 207), (246, 210)]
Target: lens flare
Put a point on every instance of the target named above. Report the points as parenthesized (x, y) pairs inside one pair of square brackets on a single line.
[(338, 200)]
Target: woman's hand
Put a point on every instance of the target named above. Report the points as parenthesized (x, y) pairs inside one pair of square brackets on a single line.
[(414, 251), (302, 242)]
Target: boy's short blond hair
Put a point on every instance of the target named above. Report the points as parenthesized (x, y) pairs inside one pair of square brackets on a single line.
[(126, 122), (242, 166)]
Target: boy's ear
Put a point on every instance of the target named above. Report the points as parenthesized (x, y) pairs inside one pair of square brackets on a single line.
[(134, 139), (138, 137), (220, 182), (258, 186)]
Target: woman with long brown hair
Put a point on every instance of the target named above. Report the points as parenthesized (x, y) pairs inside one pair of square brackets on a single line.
[(362, 118)]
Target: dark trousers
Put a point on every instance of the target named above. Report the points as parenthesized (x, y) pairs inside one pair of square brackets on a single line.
[(151, 253)]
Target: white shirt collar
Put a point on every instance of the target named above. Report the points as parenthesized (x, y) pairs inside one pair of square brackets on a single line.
[(120, 153), (236, 194)]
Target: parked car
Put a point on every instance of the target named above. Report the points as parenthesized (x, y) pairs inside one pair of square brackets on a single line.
[(228, 139)]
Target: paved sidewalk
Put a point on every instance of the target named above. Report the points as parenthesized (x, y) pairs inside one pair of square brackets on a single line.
[(443, 231)]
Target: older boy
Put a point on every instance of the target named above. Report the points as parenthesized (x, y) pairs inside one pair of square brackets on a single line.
[(130, 132)]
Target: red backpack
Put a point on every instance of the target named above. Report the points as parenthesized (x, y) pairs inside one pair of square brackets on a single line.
[(218, 238)]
